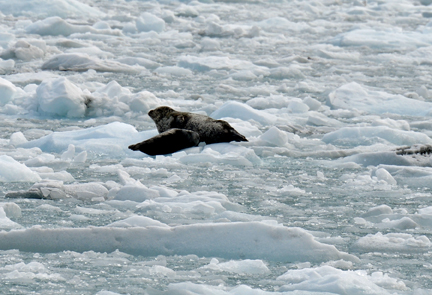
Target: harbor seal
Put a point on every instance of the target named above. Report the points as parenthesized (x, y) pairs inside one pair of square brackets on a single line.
[(167, 142), (208, 129)]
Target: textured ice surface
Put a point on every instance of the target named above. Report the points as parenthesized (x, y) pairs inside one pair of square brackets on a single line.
[(330, 195)]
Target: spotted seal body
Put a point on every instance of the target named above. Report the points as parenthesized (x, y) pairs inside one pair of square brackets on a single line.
[(167, 142), (208, 129)]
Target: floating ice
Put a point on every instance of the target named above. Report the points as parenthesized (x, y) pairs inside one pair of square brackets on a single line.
[(383, 174), (174, 71), (280, 24), (60, 97), (136, 193), (116, 138), (365, 135), (336, 281), (147, 22), (355, 96), (203, 289), (253, 240), (377, 158), (6, 66), (83, 62), (11, 209), (202, 64), (137, 221), (26, 50), (62, 8), (393, 242), (384, 39), (17, 138), (378, 210), (235, 109), (55, 26), (5, 222), (275, 137), (13, 171), (21, 272), (223, 153), (144, 62), (244, 267), (7, 91)]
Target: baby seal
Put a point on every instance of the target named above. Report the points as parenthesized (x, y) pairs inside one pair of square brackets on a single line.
[(167, 142), (208, 129)]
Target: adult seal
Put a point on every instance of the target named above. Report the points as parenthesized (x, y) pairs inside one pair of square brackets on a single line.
[(208, 129), (167, 142)]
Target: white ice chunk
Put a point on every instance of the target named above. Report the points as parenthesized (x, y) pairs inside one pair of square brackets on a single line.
[(238, 240), (291, 72), (5, 222), (69, 154), (403, 223), (312, 103), (17, 138), (136, 193), (13, 171), (395, 124), (6, 66), (378, 210), (298, 107), (335, 281), (392, 38), (80, 158), (83, 62), (280, 24), (147, 22), (111, 139), (173, 71), (242, 111), (275, 137), (208, 44), (377, 158), (60, 97), (137, 221), (393, 242), (273, 101), (26, 50), (86, 191), (383, 174), (243, 267), (62, 8), (11, 209), (202, 64), (363, 135), (7, 91), (144, 62), (355, 96), (55, 26), (61, 176)]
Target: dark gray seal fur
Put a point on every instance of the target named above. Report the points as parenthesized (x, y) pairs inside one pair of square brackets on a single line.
[(209, 130), (167, 142)]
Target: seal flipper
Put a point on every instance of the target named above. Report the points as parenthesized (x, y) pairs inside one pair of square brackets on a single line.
[(234, 135), (237, 136), (167, 142)]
